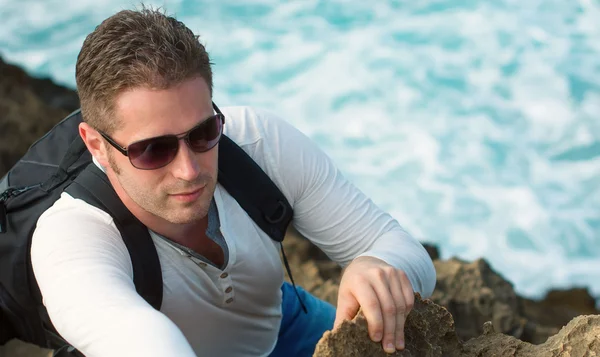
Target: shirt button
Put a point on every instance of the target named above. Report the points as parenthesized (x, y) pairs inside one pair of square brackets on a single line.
[(228, 290), (224, 275), (202, 264), (229, 300)]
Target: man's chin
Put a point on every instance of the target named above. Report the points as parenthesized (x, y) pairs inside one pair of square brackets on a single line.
[(187, 214), (184, 219)]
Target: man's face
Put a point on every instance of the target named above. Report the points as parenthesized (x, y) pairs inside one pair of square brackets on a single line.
[(181, 191)]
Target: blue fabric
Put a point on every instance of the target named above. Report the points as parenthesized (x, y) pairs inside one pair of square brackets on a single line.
[(300, 332)]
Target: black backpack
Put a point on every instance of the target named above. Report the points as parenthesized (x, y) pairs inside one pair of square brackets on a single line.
[(59, 161)]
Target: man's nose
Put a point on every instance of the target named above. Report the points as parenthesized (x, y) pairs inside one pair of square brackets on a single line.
[(185, 165)]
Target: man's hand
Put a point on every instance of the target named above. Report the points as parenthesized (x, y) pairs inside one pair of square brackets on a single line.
[(385, 295)]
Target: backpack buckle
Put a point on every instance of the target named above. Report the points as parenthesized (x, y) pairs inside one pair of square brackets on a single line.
[(277, 214)]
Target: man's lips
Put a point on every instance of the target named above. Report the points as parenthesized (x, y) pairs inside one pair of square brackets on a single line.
[(187, 193), (189, 196)]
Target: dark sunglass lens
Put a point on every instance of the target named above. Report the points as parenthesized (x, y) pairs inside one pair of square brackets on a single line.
[(206, 135), (153, 153)]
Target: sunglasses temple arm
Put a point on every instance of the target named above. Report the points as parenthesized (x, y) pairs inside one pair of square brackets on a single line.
[(121, 149), (216, 108)]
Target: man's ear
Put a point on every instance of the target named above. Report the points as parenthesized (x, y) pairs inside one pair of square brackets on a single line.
[(94, 142)]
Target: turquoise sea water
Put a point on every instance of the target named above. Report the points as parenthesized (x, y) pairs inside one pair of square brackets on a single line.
[(475, 123)]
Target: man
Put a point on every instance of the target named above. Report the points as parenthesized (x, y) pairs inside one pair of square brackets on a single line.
[(145, 84)]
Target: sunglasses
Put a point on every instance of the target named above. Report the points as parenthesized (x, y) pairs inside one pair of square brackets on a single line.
[(157, 152)]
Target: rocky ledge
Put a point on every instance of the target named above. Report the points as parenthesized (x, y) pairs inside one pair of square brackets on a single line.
[(430, 332), (29, 107), (473, 312)]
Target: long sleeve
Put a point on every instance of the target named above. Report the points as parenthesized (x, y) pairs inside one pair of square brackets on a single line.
[(334, 214), (84, 272)]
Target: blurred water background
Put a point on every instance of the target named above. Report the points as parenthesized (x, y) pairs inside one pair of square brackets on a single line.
[(475, 123)]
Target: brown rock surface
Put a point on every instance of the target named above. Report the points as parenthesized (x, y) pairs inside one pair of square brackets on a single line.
[(558, 307), (430, 332), (311, 268), (579, 338), (16, 348), (474, 294), (29, 107)]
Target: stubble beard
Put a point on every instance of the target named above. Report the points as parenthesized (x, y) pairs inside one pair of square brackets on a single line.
[(161, 204)]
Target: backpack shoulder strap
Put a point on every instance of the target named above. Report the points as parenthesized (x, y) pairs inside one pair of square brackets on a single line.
[(257, 194), (93, 186), (253, 189)]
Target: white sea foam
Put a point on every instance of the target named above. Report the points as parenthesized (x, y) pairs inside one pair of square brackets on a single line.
[(475, 124)]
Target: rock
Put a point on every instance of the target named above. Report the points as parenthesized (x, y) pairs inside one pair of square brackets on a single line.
[(16, 348), (474, 294), (555, 310), (430, 332), (29, 107), (311, 268), (432, 250), (579, 338), (44, 89)]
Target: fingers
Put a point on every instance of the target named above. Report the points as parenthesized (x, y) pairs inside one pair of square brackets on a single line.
[(402, 292), (396, 299), (391, 302), (347, 308), (364, 296), (369, 302), (386, 297)]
